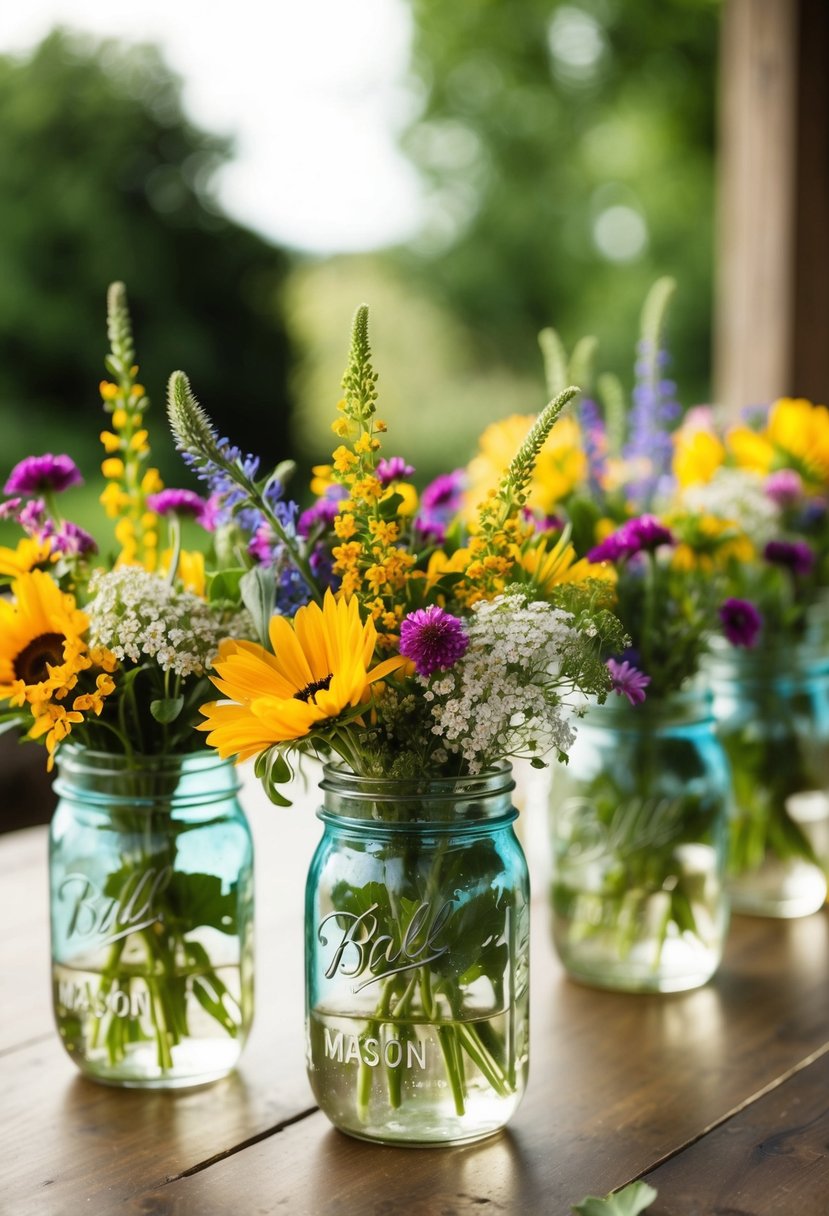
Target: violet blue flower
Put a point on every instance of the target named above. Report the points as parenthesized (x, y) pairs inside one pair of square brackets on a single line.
[(627, 680), (793, 555), (655, 412), (32, 517), (393, 469), (444, 493), (179, 502), (741, 622), (433, 639), (594, 437), (785, 487), (636, 536), (73, 540), (40, 474)]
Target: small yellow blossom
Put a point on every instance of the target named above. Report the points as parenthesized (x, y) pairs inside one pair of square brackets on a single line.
[(344, 526), (113, 467), (111, 442), (108, 390), (343, 459)]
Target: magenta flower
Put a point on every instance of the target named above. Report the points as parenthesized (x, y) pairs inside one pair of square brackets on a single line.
[(179, 502), (785, 487), (41, 474), (741, 622), (73, 540), (636, 536), (10, 508), (393, 469), (433, 639), (627, 680), (322, 514), (793, 555), (444, 494)]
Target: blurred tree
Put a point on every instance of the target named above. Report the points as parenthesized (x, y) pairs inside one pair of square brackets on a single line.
[(104, 178), (569, 147)]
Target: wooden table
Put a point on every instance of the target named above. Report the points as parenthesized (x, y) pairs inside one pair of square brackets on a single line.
[(719, 1097)]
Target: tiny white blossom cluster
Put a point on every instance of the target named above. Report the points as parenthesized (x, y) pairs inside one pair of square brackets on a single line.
[(504, 697), (138, 616), (737, 495)]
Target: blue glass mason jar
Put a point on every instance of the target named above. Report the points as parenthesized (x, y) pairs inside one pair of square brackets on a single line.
[(639, 821), (417, 958), (151, 873), (772, 711)]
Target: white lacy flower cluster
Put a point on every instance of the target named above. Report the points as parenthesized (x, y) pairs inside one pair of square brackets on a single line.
[(504, 697), (737, 495), (138, 616)]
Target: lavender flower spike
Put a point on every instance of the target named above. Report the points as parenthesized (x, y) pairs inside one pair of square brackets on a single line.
[(433, 639), (41, 474), (741, 622), (627, 680)]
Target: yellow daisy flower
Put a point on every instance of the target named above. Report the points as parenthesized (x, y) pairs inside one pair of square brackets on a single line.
[(549, 568), (27, 554), (34, 629), (319, 668)]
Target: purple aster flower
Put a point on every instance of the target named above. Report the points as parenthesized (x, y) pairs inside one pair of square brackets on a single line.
[(393, 469), (322, 568), (433, 639), (793, 555), (9, 509), (323, 513), (741, 622), (785, 487), (33, 516), (627, 680), (636, 536), (541, 522), (444, 495), (179, 502), (39, 474), (429, 532), (73, 540), (814, 512)]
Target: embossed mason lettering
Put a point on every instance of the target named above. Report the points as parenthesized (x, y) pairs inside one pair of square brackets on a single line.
[(353, 1049), (79, 997), (363, 948), (97, 915)]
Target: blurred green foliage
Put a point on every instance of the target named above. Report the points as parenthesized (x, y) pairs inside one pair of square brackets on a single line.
[(104, 178), (570, 152)]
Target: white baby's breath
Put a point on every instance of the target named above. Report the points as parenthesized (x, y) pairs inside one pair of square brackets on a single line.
[(139, 616), (505, 697)]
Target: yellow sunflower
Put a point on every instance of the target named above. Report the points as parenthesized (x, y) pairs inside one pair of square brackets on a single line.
[(26, 554), (319, 668), (33, 630)]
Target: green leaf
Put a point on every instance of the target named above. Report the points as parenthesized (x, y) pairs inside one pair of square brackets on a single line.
[(224, 584), (272, 769), (258, 589), (166, 709), (630, 1201), (195, 900)]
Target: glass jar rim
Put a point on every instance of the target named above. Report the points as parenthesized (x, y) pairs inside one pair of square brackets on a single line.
[(684, 707), (433, 802)]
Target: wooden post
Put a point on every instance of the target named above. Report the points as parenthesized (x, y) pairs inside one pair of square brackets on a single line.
[(772, 305)]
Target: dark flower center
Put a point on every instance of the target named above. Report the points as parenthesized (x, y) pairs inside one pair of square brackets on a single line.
[(30, 664), (310, 690)]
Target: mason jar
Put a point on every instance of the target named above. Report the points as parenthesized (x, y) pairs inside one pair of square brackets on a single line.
[(151, 872), (772, 711), (639, 821), (417, 958)]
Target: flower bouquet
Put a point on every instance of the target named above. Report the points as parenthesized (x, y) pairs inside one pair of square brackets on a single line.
[(639, 816), (104, 660), (413, 655), (766, 480)]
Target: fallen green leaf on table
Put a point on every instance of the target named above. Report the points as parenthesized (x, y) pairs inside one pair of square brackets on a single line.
[(630, 1201)]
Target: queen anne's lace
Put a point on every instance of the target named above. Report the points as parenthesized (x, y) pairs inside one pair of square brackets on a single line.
[(505, 696), (739, 496), (140, 616)]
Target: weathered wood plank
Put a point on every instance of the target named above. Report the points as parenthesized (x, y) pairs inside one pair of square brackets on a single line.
[(772, 1159)]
